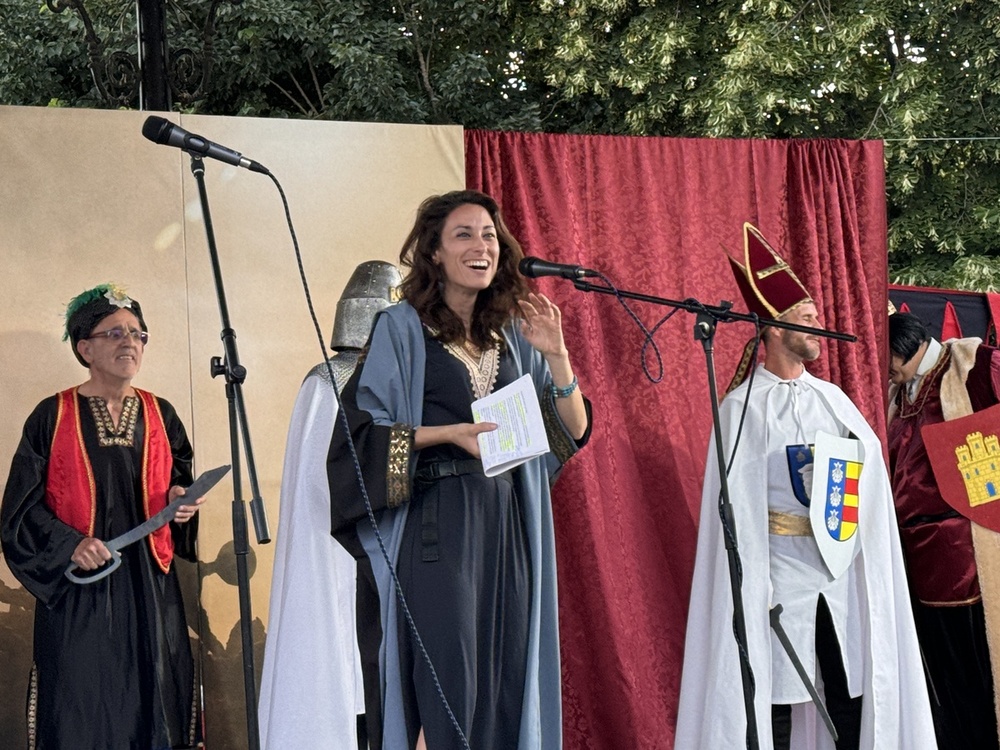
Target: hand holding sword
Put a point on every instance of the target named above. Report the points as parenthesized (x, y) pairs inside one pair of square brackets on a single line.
[(92, 553)]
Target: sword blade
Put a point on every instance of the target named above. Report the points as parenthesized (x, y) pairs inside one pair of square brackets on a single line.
[(197, 489), (790, 650)]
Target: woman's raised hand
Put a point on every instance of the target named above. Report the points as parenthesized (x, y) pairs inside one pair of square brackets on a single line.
[(542, 325)]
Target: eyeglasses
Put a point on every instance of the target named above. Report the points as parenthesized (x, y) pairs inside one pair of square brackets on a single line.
[(118, 334)]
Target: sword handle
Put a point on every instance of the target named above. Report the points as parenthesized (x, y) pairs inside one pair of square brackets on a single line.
[(104, 572)]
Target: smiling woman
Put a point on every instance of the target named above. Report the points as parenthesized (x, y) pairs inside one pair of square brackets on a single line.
[(474, 555), (467, 255), (94, 462)]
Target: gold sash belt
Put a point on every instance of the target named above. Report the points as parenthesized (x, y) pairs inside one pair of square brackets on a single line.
[(788, 524)]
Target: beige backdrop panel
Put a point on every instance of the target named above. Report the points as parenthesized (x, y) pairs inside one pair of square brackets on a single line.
[(85, 199)]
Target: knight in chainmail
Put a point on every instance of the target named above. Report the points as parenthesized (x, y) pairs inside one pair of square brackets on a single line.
[(311, 689), (372, 288)]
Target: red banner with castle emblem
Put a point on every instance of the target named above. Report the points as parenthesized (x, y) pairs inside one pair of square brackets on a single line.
[(965, 457)]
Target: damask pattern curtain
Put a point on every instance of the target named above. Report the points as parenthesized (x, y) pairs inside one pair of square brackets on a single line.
[(657, 215)]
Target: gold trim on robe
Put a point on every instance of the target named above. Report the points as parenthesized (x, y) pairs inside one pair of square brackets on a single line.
[(397, 480), (559, 442)]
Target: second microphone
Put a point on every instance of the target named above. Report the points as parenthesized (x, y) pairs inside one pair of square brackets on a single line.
[(534, 268)]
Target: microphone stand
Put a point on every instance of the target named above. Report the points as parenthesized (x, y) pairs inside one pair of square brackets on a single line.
[(235, 374), (707, 318)]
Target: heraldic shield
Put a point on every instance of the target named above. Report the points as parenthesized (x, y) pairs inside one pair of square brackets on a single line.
[(833, 511), (965, 457)]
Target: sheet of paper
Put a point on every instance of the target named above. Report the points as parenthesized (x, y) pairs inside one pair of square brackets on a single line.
[(520, 432)]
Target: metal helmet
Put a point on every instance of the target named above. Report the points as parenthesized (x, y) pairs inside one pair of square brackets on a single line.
[(372, 287)]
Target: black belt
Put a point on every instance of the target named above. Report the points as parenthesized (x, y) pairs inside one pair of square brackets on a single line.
[(434, 470), (429, 530), (431, 472)]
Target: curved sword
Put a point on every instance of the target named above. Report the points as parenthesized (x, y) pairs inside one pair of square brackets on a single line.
[(197, 489)]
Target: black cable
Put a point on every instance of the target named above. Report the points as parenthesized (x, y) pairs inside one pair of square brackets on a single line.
[(342, 416), (648, 342), (647, 333), (727, 530)]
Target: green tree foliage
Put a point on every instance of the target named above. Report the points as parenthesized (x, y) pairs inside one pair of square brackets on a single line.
[(922, 75), (42, 57), (431, 61), (369, 60)]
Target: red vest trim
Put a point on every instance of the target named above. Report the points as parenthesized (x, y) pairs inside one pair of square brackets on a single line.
[(69, 487), (157, 466)]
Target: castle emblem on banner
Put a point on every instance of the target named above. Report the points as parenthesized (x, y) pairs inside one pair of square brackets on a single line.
[(965, 456), (835, 514), (978, 460)]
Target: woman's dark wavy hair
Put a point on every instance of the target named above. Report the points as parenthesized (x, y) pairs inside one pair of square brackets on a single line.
[(423, 286)]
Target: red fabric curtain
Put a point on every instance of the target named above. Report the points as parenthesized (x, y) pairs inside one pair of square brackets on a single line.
[(654, 215)]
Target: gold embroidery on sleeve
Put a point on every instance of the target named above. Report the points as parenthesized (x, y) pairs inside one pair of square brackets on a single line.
[(397, 484), (559, 442)]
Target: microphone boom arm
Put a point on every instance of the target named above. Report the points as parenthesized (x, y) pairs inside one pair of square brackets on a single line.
[(707, 317), (721, 313)]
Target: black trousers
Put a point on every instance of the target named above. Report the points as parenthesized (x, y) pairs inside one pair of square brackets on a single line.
[(843, 709), (960, 682)]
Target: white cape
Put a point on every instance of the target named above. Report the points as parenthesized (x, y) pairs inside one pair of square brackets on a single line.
[(896, 713), (311, 690)]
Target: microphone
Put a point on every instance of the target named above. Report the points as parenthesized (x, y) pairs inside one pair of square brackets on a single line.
[(536, 267), (166, 133)]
